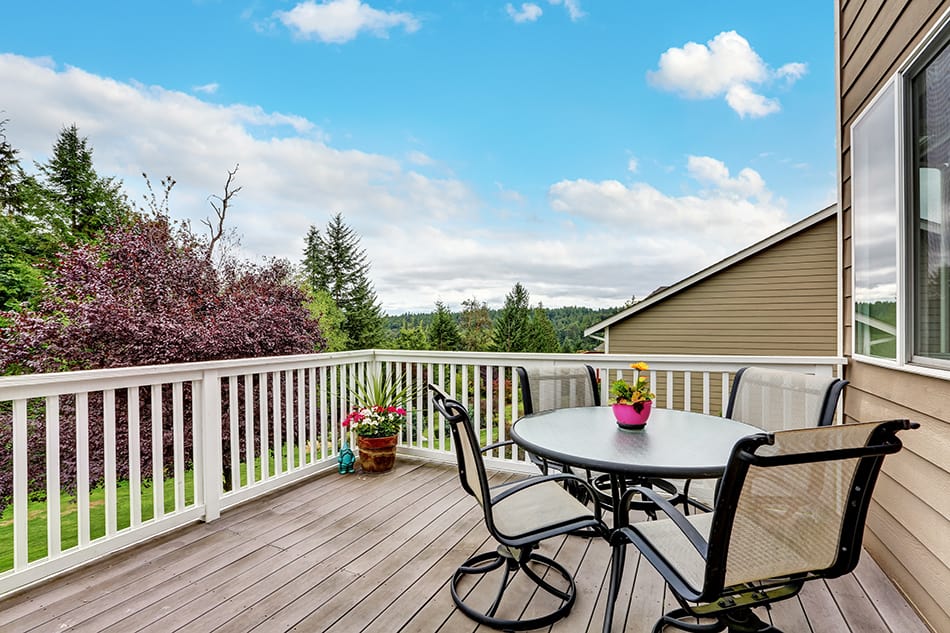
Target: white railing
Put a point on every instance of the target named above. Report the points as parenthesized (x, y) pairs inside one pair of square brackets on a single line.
[(161, 447)]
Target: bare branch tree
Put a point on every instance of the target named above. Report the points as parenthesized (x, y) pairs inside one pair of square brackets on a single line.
[(220, 210), (158, 208)]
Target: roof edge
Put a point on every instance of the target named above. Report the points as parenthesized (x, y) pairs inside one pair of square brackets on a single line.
[(789, 231)]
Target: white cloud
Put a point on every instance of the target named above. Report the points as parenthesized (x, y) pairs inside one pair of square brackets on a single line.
[(530, 12), (339, 21), (725, 66), (509, 195), (792, 71), (573, 8), (669, 237), (419, 158), (744, 101), (208, 89), (748, 184), (633, 165)]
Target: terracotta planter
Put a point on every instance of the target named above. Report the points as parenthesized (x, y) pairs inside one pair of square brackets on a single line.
[(629, 418), (377, 454)]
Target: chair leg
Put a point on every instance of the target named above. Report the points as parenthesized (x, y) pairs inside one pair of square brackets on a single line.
[(510, 562)]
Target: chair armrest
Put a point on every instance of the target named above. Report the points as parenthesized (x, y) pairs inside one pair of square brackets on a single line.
[(490, 447), (689, 531)]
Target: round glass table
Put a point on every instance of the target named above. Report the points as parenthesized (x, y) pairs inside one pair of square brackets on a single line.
[(673, 444), (676, 444)]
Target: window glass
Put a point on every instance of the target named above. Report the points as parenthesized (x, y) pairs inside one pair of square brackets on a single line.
[(875, 213), (930, 90)]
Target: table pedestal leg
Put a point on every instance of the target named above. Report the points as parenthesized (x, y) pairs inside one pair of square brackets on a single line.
[(616, 574), (617, 488)]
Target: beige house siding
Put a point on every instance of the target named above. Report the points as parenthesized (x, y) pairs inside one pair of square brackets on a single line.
[(778, 302), (781, 301), (909, 525)]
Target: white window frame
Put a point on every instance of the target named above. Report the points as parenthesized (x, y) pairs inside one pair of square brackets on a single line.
[(905, 360)]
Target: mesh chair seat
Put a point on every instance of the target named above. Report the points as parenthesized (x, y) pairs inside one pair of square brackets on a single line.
[(671, 543), (536, 509)]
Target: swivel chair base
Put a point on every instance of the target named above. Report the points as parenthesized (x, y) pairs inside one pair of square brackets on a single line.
[(508, 561), (742, 620)]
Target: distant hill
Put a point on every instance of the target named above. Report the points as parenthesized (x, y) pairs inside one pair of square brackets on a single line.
[(569, 323)]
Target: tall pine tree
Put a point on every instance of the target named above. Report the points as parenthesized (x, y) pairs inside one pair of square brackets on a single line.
[(336, 263), (510, 333), (444, 331), (76, 202), (542, 335)]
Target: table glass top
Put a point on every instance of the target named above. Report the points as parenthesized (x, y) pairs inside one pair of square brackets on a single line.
[(673, 443)]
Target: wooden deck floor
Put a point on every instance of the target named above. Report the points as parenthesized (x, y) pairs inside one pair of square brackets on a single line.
[(373, 553)]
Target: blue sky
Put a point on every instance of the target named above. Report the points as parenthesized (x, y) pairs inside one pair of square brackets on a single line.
[(590, 150)]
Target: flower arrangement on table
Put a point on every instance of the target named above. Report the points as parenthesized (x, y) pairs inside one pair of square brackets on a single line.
[(637, 393)]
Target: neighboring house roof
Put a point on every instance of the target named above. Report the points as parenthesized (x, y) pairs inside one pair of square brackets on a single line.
[(667, 292)]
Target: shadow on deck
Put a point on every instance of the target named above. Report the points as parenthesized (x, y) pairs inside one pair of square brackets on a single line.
[(374, 553)]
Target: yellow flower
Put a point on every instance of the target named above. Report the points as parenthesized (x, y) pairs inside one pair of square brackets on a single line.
[(641, 366)]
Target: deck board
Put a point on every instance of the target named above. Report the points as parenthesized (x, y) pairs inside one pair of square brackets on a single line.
[(375, 554)]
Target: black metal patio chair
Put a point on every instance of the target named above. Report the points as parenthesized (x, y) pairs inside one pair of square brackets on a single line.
[(545, 389), (518, 516), (791, 509), (773, 400)]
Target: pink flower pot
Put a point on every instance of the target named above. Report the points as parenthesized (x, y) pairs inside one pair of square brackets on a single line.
[(629, 418)]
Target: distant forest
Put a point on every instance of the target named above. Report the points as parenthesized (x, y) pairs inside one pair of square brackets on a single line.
[(569, 324)]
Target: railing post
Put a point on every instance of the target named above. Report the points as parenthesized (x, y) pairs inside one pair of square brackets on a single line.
[(210, 449)]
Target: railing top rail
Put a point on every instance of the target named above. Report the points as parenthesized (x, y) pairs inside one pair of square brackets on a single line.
[(33, 385), (601, 359), (121, 377)]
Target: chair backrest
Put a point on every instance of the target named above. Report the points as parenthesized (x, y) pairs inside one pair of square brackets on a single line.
[(558, 388), (795, 502), (467, 447), (776, 400)]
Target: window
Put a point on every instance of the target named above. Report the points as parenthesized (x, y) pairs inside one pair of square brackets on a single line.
[(930, 96), (900, 147), (874, 151)]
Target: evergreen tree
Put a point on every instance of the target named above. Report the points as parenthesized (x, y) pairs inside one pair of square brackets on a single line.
[(542, 335), (363, 322), (22, 242), (411, 337), (9, 173), (510, 332), (444, 331), (336, 264), (476, 326), (77, 202)]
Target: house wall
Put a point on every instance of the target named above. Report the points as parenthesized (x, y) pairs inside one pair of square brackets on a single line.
[(781, 301), (908, 529)]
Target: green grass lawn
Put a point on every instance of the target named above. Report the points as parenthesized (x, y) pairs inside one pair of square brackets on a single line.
[(69, 520)]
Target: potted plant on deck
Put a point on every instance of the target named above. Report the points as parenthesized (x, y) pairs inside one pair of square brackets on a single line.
[(377, 417), (632, 401)]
